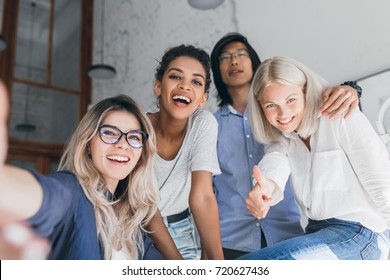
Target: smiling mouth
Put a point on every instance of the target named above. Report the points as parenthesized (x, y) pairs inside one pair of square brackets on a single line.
[(118, 158), (287, 122), (181, 99)]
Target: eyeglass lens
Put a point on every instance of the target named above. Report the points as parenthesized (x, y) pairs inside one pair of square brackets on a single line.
[(226, 57), (112, 135)]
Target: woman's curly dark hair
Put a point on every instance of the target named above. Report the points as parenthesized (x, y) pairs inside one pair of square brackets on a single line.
[(185, 50)]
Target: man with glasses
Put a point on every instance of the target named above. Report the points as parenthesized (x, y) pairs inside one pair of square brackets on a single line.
[(234, 62)]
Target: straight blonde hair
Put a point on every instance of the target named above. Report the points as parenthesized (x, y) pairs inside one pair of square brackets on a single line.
[(121, 221), (288, 72)]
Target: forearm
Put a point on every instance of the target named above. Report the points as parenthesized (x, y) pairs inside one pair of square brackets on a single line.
[(162, 239), (20, 193), (205, 213)]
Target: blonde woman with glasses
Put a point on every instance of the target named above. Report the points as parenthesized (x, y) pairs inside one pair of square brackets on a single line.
[(99, 205)]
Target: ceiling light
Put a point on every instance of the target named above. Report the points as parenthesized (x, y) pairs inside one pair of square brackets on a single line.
[(101, 70), (205, 4)]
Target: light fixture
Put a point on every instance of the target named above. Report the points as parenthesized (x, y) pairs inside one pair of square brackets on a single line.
[(101, 70), (3, 43), (25, 126), (205, 4), (380, 124)]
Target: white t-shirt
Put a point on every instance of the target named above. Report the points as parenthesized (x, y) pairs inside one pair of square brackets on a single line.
[(346, 175), (198, 152)]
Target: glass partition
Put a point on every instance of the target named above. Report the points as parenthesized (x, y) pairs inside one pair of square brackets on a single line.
[(65, 70), (32, 41)]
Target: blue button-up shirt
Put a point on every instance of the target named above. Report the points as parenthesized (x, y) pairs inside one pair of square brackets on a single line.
[(238, 151)]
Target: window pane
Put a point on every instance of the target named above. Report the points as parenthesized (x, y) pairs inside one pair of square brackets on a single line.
[(52, 114), (32, 40), (66, 44), (1, 15)]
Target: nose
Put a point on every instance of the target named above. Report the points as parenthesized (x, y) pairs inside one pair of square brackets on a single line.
[(234, 59), (282, 111), (122, 143), (184, 85)]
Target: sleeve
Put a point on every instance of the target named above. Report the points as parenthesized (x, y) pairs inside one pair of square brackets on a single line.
[(57, 200), (369, 159), (275, 166), (204, 150)]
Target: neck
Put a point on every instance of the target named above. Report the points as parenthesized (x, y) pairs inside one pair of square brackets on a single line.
[(167, 127), (239, 97)]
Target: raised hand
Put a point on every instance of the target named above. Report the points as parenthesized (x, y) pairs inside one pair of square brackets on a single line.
[(338, 100), (260, 197)]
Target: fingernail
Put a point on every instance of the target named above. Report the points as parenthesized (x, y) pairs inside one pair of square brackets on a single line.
[(16, 234)]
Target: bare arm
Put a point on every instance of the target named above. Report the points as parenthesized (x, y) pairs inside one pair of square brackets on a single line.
[(205, 211), (337, 100), (20, 193), (162, 239)]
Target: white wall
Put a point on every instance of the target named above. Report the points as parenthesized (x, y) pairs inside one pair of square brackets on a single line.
[(341, 40)]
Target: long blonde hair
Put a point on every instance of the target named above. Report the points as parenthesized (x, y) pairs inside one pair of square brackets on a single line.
[(289, 72), (122, 221)]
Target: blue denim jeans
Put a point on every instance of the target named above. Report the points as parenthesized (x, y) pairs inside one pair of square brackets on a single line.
[(183, 234), (330, 239)]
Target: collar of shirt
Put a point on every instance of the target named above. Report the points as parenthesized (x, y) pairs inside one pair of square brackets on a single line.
[(229, 109)]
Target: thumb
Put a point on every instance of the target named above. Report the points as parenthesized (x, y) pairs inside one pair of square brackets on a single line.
[(258, 175), (267, 186)]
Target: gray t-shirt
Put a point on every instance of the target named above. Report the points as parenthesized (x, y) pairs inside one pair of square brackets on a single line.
[(198, 152)]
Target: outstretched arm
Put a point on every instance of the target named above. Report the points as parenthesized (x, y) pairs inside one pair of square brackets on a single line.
[(20, 193), (337, 100)]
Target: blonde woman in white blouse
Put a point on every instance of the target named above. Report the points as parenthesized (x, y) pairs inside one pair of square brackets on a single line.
[(340, 169)]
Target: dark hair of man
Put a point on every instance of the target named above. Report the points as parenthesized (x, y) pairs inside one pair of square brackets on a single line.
[(185, 50), (222, 93)]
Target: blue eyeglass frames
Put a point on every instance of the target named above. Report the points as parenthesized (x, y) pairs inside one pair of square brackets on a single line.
[(111, 135)]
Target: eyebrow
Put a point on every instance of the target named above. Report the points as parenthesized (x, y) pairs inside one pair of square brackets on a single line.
[(181, 71), (291, 95), (235, 50)]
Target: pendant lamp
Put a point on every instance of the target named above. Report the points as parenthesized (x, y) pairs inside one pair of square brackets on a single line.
[(102, 70), (25, 126), (205, 4)]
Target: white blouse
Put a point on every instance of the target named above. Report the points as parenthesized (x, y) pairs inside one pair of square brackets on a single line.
[(346, 175)]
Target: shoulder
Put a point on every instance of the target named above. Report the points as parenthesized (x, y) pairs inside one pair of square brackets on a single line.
[(357, 119), (218, 113), (203, 117), (62, 182)]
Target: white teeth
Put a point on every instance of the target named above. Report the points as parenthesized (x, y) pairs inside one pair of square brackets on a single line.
[(184, 98), (118, 158), (283, 122)]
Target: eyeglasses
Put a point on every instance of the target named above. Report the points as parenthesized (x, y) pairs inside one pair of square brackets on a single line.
[(112, 135), (227, 57)]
